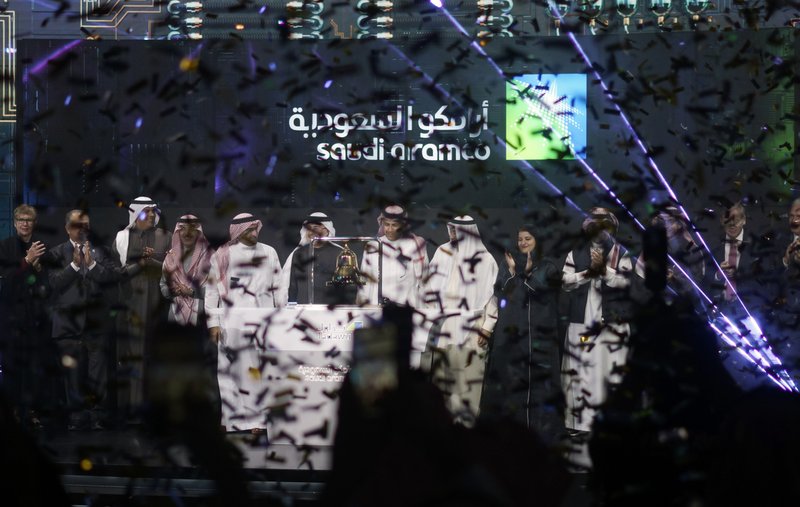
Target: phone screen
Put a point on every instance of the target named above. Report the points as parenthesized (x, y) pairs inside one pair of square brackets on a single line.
[(374, 371)]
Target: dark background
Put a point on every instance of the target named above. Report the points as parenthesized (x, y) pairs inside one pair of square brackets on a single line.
[(105, 121)]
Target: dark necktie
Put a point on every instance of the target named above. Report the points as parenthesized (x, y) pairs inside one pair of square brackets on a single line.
[(733, 256), (82, 272)]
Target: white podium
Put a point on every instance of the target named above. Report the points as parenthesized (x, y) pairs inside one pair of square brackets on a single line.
[(304, 353)]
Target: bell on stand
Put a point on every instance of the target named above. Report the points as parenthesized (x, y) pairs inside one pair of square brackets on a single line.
[(347, 273)]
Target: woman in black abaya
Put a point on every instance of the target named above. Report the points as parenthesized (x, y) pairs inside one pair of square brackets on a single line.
[(522, 378)]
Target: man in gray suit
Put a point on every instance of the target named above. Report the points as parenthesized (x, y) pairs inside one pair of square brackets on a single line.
[(79, 274)]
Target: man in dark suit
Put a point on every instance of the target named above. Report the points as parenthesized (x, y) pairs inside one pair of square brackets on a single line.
[(788, 308), (791, 256), (735, 255), (79, 274)]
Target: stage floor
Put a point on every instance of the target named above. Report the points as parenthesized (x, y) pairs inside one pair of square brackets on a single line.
[(115, 463), (128, 467)]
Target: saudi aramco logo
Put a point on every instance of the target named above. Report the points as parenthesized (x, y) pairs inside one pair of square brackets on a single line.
[(546, 117)]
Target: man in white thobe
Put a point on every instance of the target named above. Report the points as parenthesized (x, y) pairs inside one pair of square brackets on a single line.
[(461, 287), (596, 277), (244, 274), (398, 274)]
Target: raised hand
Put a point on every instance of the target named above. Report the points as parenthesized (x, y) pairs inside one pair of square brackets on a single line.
[(36, 250), (147, 253), (729, 270), (512, 265), (792, 254), (215, 333), (597, 260), (76, 256), (87, 254), (183, 290), (483, 338)]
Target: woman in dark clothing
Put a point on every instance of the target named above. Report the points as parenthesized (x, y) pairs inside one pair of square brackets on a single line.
[(28, 364), (522, 379)]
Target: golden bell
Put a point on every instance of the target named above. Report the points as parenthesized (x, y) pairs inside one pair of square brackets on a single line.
[(347, 272)]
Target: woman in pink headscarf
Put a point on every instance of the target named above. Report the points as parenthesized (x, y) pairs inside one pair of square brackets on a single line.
[(185, 271)]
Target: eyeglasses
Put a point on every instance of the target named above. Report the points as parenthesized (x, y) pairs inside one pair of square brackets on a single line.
[(25, 220)]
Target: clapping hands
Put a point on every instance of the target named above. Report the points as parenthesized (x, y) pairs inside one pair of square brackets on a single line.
[(179, 289), (512, 264)]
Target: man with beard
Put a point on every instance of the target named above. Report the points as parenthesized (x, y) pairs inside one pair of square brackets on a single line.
[(403, 266), (311, 271), (140, 249), (461, 287), (183, 283), (690, 263), (244, 274), (24, 290), (80, 275), (595, 276), (185, 271)]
